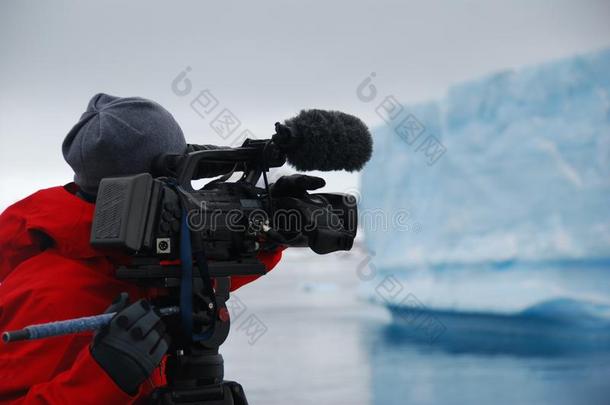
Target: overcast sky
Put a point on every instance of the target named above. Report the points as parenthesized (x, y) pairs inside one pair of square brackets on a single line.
[(264, 60)]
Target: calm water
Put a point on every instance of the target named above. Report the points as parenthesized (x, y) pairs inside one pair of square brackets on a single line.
[(322, 345)]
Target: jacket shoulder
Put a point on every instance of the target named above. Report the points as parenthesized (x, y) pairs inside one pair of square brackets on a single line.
[(52, 216)]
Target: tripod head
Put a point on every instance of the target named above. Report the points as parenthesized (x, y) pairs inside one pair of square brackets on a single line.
[(194, 367)]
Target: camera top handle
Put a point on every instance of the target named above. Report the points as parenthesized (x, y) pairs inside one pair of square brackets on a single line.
[(252, 158)]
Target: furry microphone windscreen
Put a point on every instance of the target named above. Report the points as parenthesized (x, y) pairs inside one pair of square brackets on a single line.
[(329, 140)]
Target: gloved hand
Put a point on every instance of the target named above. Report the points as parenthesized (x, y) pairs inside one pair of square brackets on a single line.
[(132, 345), (295, 185)]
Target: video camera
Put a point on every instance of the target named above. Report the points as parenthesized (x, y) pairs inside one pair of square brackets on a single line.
[(232, 221)]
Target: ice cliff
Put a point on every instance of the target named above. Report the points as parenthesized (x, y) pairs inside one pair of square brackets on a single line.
[(518, 202)]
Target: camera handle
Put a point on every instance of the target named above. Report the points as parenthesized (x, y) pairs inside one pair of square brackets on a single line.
[(248, 158)]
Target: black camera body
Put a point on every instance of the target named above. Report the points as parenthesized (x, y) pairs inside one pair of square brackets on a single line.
[(230, 221)]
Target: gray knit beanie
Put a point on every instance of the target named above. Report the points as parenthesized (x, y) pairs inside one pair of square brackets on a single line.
[(118, 137)]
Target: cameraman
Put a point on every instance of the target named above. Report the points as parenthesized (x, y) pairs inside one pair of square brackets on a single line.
[(49, 272)]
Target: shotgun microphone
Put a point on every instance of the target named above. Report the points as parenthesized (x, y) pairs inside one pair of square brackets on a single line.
[(313, 140), (324, 140)]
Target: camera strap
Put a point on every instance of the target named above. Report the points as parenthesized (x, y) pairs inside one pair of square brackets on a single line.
[(186, 281), (186, 273)]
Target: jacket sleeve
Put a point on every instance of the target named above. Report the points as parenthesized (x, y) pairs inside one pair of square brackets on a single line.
[(17, 242), (60, 369), (85, 382), (269, 259)]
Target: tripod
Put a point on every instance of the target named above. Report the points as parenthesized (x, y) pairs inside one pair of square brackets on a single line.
[(197, 378), (195, 370)]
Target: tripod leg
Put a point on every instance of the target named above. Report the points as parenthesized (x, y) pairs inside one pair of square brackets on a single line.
[(239, 396)]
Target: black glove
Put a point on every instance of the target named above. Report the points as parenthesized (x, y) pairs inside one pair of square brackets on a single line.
[(132, 345), (295, 185)]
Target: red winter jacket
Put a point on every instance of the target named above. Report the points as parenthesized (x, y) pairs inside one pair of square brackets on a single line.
[(49, 272)]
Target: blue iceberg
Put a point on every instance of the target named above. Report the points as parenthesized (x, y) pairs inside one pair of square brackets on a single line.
[(512, 217)]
